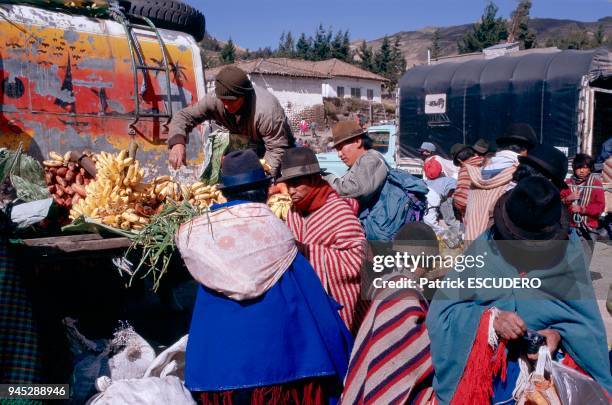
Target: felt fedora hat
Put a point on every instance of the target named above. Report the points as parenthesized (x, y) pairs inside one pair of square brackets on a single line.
[(531, 211), (455, 149), (481, 146), (345, 130), (298, 162), (241, 169), (519, 132), (549, 161)]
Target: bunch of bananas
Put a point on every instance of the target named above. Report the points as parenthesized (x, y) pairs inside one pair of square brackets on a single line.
[(198, 194), (111, 198), (267, 168), (119, 198), (280, 204), (202, 196), (163, 187), (57, 160)]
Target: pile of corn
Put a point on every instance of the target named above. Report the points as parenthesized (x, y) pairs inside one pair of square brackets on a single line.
[(118, 197)]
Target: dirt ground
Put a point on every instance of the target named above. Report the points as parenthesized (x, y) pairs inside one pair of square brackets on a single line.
[(601, 273)]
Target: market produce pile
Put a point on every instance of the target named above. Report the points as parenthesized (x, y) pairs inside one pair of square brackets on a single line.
[(118, 196), (66, 180)]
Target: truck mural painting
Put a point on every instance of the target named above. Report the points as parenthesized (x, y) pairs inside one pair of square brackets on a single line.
[(68, 84)]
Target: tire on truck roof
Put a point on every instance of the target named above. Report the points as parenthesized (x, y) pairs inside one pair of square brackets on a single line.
[(169, 14)]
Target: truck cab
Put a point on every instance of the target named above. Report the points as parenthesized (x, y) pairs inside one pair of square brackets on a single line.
[(384, 140)]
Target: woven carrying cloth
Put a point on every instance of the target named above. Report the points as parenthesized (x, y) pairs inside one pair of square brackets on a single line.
[(19, 351)]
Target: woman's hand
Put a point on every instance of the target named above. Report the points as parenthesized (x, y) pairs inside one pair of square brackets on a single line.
[(576, 209), (509, 326), (553, 338), (572, 197)]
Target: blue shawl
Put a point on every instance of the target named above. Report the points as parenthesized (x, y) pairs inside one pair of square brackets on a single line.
[(565, 302), (291, 332)]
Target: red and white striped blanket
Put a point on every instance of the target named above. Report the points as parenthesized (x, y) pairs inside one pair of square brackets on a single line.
[(482, 197), (335, 245), (391, 362)]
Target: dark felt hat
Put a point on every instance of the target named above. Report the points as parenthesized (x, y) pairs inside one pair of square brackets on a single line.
[(481, 146), (520, 133), (242, 169), (232, 82), (298, 162), (345, 130), (549, 161), (455, 149), (531, 211)]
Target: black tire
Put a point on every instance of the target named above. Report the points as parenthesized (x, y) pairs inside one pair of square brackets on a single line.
[(169, 14)]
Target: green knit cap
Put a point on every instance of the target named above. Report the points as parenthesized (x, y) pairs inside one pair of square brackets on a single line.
[(232, 82)]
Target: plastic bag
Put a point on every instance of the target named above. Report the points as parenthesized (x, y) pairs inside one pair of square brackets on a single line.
[(575, 388), (540, 389), (162, 383), (552, 383), (144, 391), (134, 356)]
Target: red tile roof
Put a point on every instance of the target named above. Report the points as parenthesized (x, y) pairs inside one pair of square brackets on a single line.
[(301, 68)]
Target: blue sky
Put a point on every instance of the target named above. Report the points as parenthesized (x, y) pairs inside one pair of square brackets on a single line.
[(259, 23)]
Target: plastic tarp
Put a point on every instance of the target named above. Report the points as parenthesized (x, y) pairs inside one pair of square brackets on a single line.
[(480, 98)]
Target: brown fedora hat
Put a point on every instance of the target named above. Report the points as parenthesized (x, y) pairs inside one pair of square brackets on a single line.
[(345, 130), (298, 162)]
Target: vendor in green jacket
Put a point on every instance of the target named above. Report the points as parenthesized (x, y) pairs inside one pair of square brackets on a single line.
[(241, 107)]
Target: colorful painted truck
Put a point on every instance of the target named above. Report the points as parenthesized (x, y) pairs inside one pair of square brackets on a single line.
[(72, 82)]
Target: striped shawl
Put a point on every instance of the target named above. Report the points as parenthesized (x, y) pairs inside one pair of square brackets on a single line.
[(391, 362), (335, 244), (482, 198), (460, 197)]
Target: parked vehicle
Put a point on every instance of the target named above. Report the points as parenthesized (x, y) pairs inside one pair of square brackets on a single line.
[(384, 139), (566, 96), (73, 82)]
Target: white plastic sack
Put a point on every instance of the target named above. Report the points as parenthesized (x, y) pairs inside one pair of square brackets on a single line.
[(167, 390), (162, 382), (170, 362), (567, 386), (134, 358), (575, 388)]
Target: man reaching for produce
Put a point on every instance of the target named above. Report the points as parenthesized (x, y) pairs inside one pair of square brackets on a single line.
[(242, 108)]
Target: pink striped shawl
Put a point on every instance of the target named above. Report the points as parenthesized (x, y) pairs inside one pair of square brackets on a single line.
[(482, 197), (391, 361), (336, 248)]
